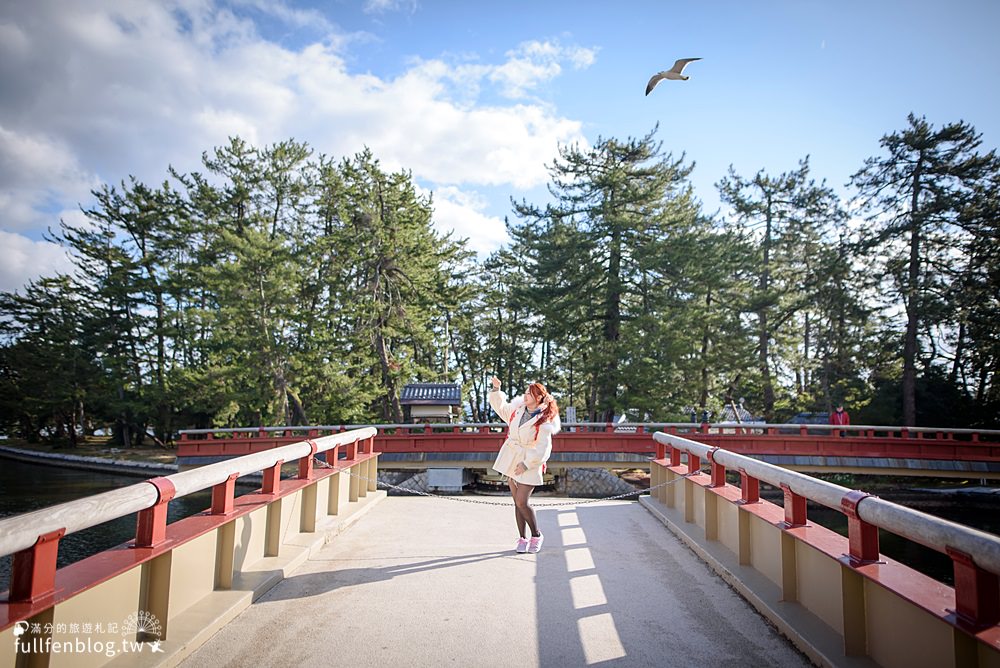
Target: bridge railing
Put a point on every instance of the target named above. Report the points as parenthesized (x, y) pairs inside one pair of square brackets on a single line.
[(972, 607), (866, 431), (170, 567)]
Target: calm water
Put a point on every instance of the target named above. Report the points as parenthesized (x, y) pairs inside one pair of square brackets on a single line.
[(26, 487)]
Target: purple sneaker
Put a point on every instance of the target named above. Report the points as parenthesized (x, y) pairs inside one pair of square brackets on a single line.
[(535, 544), (522, 546)]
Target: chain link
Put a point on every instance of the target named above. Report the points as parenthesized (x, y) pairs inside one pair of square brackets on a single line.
[(510, 504)]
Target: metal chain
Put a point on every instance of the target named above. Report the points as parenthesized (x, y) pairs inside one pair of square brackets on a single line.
[(507, 503)]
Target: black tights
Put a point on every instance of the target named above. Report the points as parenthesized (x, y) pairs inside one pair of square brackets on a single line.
[(523, 513)]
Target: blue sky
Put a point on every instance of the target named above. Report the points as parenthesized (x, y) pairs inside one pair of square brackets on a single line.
[(472, 97)]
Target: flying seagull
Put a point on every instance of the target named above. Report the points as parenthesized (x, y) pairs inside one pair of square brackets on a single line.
[(673, 73)]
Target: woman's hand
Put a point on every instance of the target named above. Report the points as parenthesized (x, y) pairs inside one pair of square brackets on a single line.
[(520, 468), (495, 382)]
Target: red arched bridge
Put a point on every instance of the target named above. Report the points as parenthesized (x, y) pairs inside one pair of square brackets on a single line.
[(918, 451)]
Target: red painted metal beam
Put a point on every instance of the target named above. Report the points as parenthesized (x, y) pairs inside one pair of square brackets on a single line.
[(33, 571)]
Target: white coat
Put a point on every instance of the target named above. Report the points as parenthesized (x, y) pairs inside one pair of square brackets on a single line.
[(521, 444)]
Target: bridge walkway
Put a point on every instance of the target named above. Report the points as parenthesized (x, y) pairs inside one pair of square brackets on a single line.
[(432, 582)]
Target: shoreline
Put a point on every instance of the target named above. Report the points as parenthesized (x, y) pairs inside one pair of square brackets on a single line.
[(118, 466)]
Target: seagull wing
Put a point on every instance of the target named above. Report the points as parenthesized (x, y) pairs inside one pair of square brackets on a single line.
[(654, 80), (681, 64)]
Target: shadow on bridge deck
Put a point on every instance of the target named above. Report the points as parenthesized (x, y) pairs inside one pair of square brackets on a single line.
[(430, 582)]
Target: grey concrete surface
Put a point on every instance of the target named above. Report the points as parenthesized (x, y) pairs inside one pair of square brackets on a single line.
[(435, 582)]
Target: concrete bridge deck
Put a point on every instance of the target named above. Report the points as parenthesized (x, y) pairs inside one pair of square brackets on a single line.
[(433, 581)]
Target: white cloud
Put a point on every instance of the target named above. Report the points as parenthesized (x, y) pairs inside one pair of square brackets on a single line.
[(300, 18), (22, 260), (534, 63), (37, 172), (385, 6), (462, 212), (98, 91)]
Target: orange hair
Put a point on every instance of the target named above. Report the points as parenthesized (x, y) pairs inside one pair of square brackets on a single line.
[(541, 395)]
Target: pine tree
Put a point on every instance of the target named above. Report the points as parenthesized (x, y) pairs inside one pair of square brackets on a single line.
[(917, 199)]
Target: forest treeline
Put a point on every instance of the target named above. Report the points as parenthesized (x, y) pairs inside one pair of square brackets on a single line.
[(280, 286)]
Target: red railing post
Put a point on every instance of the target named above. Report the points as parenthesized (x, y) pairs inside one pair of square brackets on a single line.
[(224, 496), (694, 463), (718, 470), (332, 455), (151, 528), (33, 571), (272, 479), (976, 600), (661, 451), (795, 508), (749, 488), (352, 451), (306, 463), (675, 456), (862, 536)]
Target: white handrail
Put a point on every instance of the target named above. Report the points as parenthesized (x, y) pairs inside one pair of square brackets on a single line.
[(933, 532), (21, 531)]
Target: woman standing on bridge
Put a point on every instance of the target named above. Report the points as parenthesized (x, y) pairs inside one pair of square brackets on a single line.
[(532, 420)]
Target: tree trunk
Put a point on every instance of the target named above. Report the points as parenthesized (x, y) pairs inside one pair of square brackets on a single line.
[(912, 308), (162, 410), (297, 411), (392, 409), (764, 334), (612, 326), (705, 346), (956, 365)]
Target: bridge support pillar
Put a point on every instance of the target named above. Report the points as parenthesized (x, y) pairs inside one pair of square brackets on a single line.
[(746, 553), (789, 569), (154, 592), (355, 484), (373, 472), (307, 516), (711, 515), (272, 533), (333, 498), (655, 479), (855, 615), (225, 551), (670, 491)]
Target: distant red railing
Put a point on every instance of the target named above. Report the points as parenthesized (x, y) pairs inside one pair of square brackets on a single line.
[(631, 438)]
